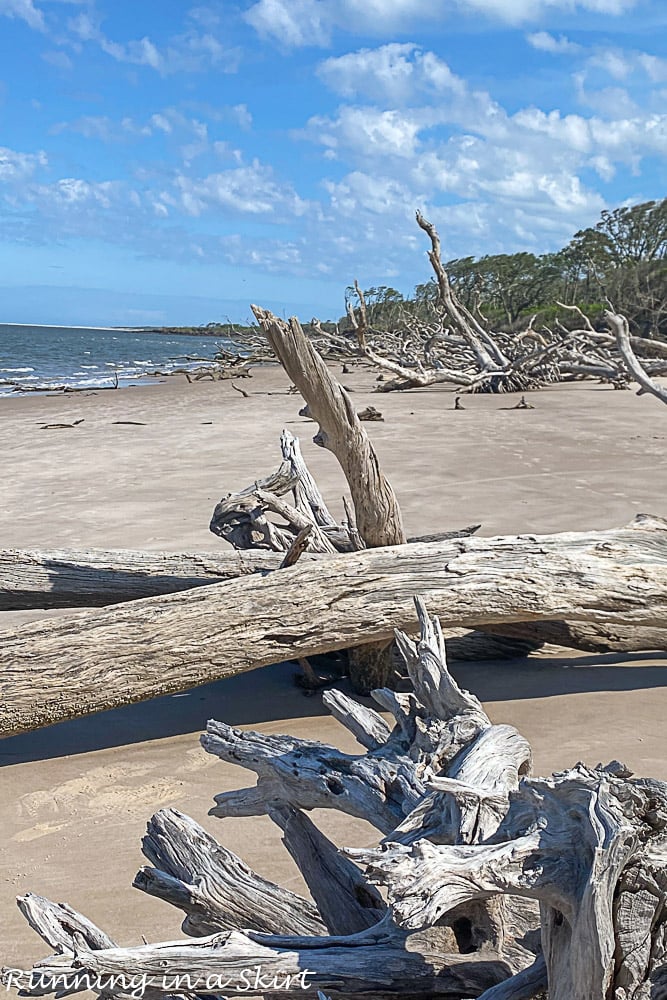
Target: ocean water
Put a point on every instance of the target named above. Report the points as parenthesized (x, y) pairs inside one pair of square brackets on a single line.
[(44, 357)]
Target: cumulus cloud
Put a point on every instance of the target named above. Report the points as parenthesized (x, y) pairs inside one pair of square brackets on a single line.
[(545, 42), (15, 166), (292, 22), (394, 73), (247, 190)]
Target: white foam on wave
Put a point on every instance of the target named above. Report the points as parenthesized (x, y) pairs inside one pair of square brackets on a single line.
[(17, 370)]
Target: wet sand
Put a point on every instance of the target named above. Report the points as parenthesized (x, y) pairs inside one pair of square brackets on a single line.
[(76, 797)]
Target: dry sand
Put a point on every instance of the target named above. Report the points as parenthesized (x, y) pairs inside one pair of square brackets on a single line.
[(75, 798)]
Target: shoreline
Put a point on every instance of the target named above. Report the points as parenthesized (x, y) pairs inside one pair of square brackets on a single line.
[(181, 331)]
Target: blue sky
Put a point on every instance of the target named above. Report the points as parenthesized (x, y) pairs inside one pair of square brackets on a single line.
[(168, 163)]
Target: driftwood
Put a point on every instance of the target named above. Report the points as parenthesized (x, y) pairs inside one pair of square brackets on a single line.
[(66, 578), (621, 330), (59, 669), (87, 578), (499, 885), (62, 578), (377, 516), (377, 512), (445, 342)]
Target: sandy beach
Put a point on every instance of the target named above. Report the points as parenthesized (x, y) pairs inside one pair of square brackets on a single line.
[(76, 797)]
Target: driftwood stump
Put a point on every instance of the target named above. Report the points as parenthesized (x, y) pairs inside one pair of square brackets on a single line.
[(497, 884)]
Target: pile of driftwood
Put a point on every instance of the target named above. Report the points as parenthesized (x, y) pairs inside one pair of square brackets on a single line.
[(457, 346), (496, 884)]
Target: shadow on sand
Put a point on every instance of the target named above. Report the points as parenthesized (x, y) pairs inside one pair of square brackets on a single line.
[(270, 694)]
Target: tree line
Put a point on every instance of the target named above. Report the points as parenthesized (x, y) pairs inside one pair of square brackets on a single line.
[(620, 263)]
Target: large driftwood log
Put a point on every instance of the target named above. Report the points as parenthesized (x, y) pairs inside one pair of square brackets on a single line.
[(59, 669), (471, 856), (87, 578), (92, 578), (64, 578)]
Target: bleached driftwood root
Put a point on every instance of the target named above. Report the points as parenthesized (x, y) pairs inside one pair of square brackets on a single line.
[(59, 669), (499, 885)]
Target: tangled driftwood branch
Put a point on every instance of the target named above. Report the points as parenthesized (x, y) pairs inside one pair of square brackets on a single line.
[(472, 844)]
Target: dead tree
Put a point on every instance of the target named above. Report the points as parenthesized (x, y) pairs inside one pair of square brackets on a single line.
[(637, 371), (377, 515), (457, 346), (498, 884)]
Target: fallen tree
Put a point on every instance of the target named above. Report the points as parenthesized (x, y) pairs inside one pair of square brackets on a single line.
[(445, 342), (59, 669), (64, 578), (499, 885)]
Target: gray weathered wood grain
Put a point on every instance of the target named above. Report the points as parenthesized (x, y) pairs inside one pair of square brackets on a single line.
[(54, 670)]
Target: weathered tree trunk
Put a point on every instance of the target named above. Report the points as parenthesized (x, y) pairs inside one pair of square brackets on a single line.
[(92, 578), (62, 578), (621, 331), (499, 885), (60, 669), (377, 513), (376, 509)]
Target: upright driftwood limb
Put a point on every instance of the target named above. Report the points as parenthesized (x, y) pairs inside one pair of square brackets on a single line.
[(376, 508), (377, 513), (59, 669), (621, 331)]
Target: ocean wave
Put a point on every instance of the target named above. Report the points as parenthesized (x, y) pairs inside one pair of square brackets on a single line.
[(12, 370)]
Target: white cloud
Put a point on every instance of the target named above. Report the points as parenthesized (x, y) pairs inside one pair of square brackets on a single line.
[(294, 23), (23, 10), (192, 51), (654, 67), (392, 73), (615, 64), (545, 42), (370, 132), (247, 190), (241, 115), (59, 59), (16, 166)]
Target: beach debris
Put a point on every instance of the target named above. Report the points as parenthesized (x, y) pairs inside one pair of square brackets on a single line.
[(523, 404), (238, 388), (130, 423), (458, 405), (53, 427), (481, 880), (370, 413)]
